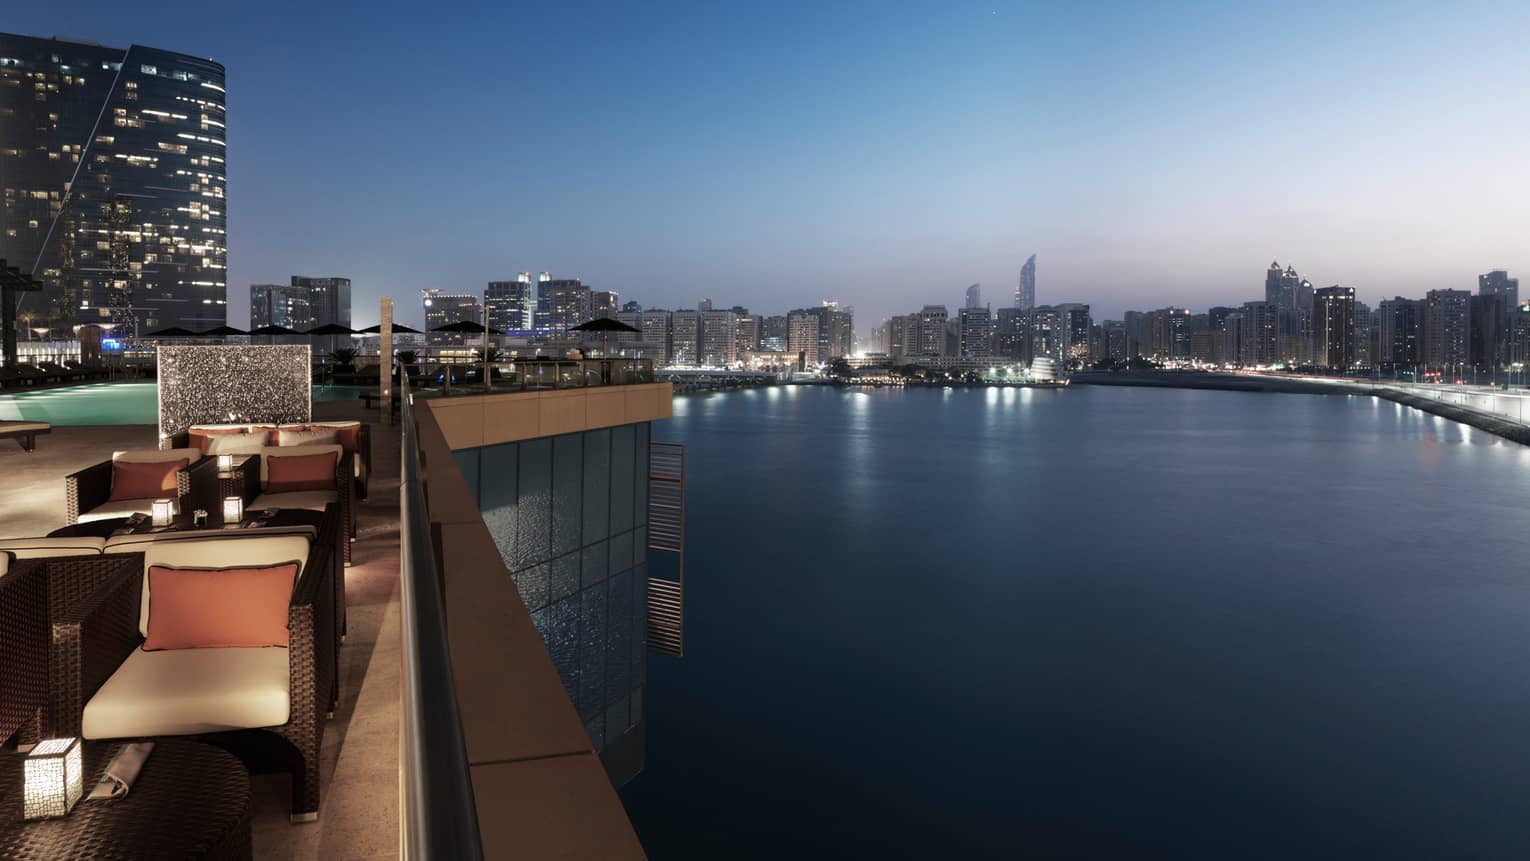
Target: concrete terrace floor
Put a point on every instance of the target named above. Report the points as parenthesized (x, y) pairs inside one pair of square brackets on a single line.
[(358, 808)]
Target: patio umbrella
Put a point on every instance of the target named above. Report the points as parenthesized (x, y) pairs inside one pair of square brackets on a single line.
[(398, 329), (224, 331), (172, 332), (272, 331), (604, 325)]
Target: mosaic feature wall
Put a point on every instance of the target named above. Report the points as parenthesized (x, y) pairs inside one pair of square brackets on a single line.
[(570, 516), (213, 385)]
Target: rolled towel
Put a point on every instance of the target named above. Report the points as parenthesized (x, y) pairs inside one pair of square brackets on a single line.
[(123, 771)]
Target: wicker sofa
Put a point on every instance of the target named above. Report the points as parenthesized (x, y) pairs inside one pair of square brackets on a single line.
[(354, 436), (87, 493), (266, 705)]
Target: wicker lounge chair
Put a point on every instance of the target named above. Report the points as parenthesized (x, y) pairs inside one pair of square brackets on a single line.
[(25, 433)]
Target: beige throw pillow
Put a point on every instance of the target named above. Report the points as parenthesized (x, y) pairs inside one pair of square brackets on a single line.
[(305, 437), (236, 443)]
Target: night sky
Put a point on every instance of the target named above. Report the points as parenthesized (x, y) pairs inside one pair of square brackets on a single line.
[(884, 155)]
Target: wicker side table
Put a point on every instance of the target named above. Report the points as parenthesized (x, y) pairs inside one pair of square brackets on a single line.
[(243, 481), (190, 801)]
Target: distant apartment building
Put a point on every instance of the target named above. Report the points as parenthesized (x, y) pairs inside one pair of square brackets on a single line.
[(974, 297), (1493, 308), (113, 163), (1009, 338), (1113, 337), (1076, 326), (685, 338), (802, 338), (746, 329), (773, 333), (511, 305), (1365, 336), (442, 309), (930, 331), (561, 304), (975, 331), (1333, 327), (656, 334), (1222, 338), (1447, 328), (1260, 334), (719, 339), (1399, 322)]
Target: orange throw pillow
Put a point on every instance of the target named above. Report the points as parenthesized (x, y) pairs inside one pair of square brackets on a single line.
[(347, 437), (202, 608), (296, 473), (151, 480)]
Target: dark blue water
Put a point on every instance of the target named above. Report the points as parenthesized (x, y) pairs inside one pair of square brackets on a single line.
[(1097, 623)]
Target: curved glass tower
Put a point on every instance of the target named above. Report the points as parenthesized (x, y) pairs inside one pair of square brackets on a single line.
[(113, 173)]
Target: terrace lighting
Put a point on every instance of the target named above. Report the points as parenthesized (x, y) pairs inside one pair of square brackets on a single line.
[(162, 512), (233, 510), (54, 778)]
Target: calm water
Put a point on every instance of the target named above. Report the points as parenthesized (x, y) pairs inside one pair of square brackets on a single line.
[(1101, 623)]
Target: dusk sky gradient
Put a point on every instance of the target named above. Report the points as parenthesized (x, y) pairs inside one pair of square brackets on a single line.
[(885, 155)]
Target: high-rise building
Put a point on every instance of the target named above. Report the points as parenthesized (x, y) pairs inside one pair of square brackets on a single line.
[(1047, 338), (656, 333), (1281, 287), (1223, 349), (1333, 327), (1498, 283), (1365, 335), (930, 333), (719, 339), (114, 174), (511, 305), (1397, 338), (975, 332), (1446, 328), (603, 303), (1260, 334), (1076, 327), (1492, 324), (704, 304), (836, 331), (442, 309), (1113, 333), (561, 304), (685, 338), (329, 299), (1025, 291), (280, 305), (746, 331), (774, 333), (802, 338), (974, 296), (1009, 333)]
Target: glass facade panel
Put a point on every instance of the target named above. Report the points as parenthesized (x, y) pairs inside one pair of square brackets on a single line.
[(563, 511), (568, 490)]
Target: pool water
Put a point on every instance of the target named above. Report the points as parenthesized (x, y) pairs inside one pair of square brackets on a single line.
[(111, 403)]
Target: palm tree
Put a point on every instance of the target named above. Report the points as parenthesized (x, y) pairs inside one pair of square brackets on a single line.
[(343, 357)]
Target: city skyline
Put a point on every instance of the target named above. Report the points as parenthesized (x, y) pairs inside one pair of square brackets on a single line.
[(616, 171)]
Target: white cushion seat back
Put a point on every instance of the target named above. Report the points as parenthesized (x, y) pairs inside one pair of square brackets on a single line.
[(225, 551), (191, 691), (39, 548), (270, 451), (236, 443), (154, 455)]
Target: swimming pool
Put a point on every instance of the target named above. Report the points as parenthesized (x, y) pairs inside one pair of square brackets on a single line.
[(111, 403)]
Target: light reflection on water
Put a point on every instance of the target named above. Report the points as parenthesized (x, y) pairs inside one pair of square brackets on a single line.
[(1107, 623)]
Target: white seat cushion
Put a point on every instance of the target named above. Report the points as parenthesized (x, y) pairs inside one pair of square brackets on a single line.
[(5, 563), (118, 508), (23, 427), (313, 500), (188, 691), (38, 548)]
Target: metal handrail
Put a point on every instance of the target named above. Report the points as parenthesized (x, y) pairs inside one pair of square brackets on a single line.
[(439, 814)]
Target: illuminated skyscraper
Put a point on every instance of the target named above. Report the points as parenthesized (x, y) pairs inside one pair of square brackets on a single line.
[(1447, 328), (444, 308), (113, 171), (1025, 292), (511, 305), (280, 305), (1333, 327), (974, 296), (561, 304)]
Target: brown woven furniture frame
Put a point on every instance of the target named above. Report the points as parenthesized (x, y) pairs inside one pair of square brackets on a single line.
[(363, 453), (96, 634), (190, 801), (91, 487)]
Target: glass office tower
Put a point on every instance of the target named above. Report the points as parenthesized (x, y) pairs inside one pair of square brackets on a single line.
[(113, 176)]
